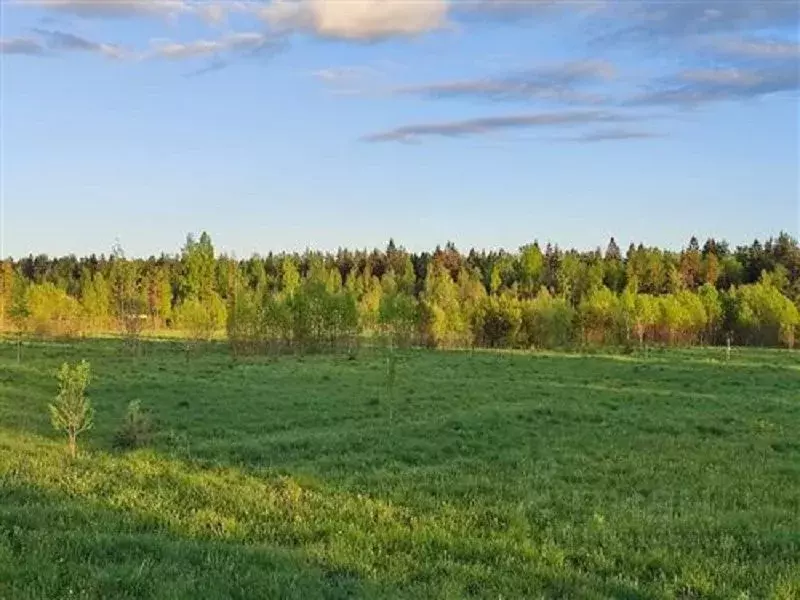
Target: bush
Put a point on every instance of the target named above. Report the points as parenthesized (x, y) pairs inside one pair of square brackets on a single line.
[(498, 321), (201, 319), (52, 311), (547, 322), (136, 429)]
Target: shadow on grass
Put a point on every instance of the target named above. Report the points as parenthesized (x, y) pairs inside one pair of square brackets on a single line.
[(143, 527), (54, 545)]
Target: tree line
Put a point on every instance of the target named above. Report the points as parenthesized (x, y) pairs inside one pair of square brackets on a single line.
[(536, 297)]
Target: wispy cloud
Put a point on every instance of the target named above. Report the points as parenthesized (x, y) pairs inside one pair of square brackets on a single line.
[(244, 42), (610, 135), (551, 82), (514, 10), (751, 44), (350, 79), (112, 8), (653, 19), (485, 125), (22, 46), (693, 88), (761, 49), (216, 12), (57, 41), (53, 42)]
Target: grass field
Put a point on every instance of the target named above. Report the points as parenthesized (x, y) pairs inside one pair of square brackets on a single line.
[(498, 475)]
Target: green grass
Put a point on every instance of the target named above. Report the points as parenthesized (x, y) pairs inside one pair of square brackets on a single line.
[(498, 475)]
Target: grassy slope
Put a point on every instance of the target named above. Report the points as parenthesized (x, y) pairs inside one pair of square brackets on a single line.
[(497, 475)]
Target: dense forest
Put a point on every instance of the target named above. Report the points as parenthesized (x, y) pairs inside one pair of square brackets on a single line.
[(537, 297)]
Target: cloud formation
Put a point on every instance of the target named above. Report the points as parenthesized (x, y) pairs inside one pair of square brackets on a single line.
[(654, 19), (112, 8), (751, 46), (237, 42), (611, 135), (62, 41), (22, 46), (53, 42), (357, 20), (410, 133), (760, 49), (550, 82), (692, 88)]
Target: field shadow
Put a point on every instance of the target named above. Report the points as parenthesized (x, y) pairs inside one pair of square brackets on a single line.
[(146, 528), (56, 545)]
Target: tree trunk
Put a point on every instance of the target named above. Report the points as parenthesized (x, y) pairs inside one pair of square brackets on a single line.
[(73, 444)]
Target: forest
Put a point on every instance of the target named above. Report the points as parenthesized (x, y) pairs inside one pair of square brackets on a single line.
[(536, 297)]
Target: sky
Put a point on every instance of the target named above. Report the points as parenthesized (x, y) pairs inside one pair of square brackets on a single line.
[(291, 124)]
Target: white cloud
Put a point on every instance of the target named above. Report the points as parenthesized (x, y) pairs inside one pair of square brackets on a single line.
[(361, 20), (236, 42)]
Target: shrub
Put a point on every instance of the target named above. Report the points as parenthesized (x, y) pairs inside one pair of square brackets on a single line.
[(136, 429), (547, 322), (201, 319), (72, 412), (52, 311), (498, 321)]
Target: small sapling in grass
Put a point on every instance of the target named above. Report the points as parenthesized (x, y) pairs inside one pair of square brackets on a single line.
[(136, 429), (72, 411)]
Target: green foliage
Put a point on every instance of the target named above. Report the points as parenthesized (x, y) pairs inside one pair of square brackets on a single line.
[(712, 306), (95, 300), (369, 304), (316, 301), (398, 316), (547, 322), (645, 316), (72, 411), (201, 319), (598, 313), (531, 263), (197, 257), (764, 314), (498, 321), (290, 277), (7, 277), (159, 296), (443, 322), (136, 429), (20, 303), (51, 311), (243, 324)]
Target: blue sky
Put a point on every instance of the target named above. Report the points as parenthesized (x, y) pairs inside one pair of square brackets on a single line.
[(289, 124)]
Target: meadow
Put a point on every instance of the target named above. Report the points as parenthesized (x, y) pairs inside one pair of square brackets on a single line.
[(671, 474)]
